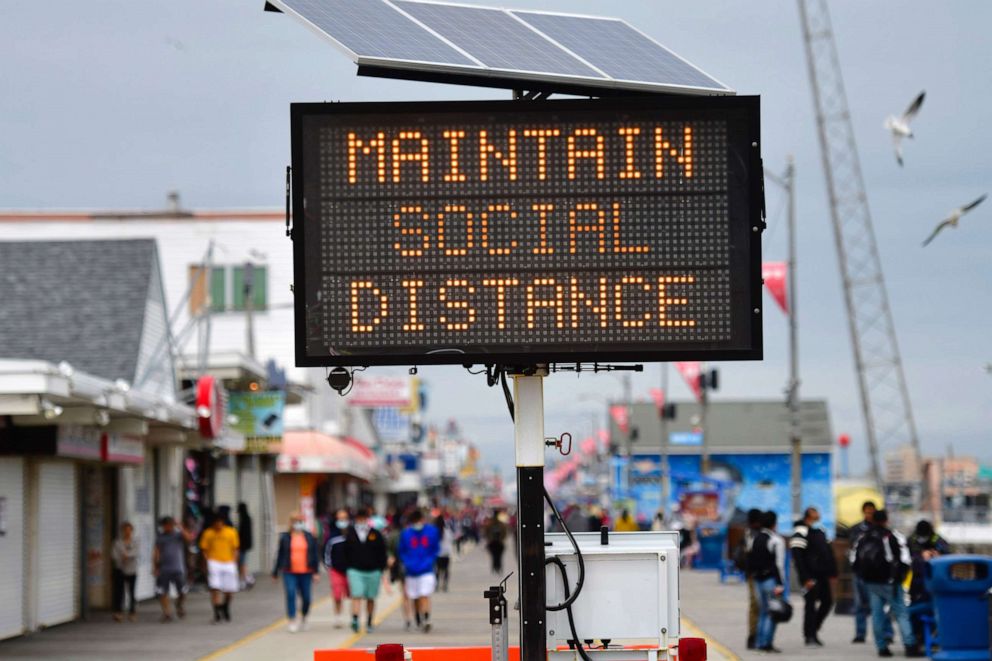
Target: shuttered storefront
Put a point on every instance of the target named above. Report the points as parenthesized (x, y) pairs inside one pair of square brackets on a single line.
[(12, 547), (55, 543)]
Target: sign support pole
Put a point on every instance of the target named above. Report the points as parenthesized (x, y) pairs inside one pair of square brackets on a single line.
[(528, 429)]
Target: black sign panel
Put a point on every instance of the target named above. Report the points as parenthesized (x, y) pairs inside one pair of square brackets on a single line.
[(527, 231)]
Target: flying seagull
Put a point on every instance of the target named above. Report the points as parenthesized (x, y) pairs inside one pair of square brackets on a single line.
[(899, 126), (953, 218)]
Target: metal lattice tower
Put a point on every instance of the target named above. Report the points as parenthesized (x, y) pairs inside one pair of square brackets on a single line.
[(885, 403)]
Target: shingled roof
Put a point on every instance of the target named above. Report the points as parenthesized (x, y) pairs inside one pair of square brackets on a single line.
[(79, 301), (756, 426)]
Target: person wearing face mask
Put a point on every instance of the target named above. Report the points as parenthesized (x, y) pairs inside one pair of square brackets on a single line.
[(337, 564), (298, 561), (814, 559), (365, 555)]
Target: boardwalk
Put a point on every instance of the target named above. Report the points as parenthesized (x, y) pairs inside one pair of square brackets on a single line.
[(460, 617)]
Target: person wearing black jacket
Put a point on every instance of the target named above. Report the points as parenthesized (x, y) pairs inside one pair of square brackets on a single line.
[(766, 563), (862, 604), (247, 537), (881, 559), (365, 557), (299, 562), (814, 559)]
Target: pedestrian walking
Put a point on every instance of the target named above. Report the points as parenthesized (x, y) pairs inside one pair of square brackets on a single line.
[(814, 559), (169, 566), (881, 559), (862, 604), (220, 544), (336, 561), (754, 517), (495, 533), (247, 537), (418, 548), (365, 556), (397, 575), (299, 563), (445, 548), (766, 561), (626, 523), (125, 558)]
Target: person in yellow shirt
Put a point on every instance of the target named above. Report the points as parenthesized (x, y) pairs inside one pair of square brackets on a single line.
[(626, 523), (220, 545)]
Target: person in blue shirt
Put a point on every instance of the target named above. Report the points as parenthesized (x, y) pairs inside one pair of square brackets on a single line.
[(418, 549)]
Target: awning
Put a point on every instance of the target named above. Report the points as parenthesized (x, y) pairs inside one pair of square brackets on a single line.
[(308, 451)]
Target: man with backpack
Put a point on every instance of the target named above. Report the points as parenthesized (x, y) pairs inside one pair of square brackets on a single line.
[(881, 560), (766, 563), (815, 563), (862, 605)]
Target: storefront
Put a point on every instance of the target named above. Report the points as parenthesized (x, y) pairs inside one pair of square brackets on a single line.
[(66, 486), (318, 473)]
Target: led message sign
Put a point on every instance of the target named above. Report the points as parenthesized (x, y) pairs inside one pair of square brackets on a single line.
[(524, 232)]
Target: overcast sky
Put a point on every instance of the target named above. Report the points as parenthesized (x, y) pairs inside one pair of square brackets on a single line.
[(113, 103)]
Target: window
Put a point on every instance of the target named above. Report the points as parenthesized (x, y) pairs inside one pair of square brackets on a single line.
[(225, 291), (251, 277), (202, 292)]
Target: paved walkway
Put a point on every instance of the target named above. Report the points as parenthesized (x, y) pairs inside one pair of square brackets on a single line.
[(460, 617)]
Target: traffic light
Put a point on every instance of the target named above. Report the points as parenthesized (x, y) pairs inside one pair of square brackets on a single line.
[(709, 381)]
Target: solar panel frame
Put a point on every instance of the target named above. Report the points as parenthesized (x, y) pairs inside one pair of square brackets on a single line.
[(629, 83)]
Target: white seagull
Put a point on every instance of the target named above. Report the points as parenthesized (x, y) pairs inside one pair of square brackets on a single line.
[(899, 126), (953, 218)]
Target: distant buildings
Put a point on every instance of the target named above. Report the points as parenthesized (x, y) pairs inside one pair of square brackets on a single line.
[(750, 453)]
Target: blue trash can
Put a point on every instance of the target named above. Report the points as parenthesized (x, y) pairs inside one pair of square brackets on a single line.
[(960, 587), (712, 546)]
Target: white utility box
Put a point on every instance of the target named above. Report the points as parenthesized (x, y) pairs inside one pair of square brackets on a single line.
[(630, 596)]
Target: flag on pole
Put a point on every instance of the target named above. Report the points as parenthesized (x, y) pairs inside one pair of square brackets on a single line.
[(690, 371), (658, 395), (621, 416), (774, 274)]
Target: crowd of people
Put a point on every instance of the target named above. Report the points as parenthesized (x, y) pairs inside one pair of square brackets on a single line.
[(362, 553), (887, 568)]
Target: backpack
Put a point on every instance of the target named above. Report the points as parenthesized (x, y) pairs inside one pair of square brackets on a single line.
[(740, 555), (760, 560), (870, 560)]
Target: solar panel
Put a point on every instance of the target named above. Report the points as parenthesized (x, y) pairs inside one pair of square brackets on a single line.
[(477, 45), (374, 29), (497, 39), (616, 48)]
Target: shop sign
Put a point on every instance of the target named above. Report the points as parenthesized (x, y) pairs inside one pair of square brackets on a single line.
[(123, 449), (382, 391), (78, 442), (259, 414)]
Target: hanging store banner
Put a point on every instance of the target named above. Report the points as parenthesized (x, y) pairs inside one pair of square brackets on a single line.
[(123, 449), (690, 372), (551, 231), (774, 274), (259, 419), (79, 442)]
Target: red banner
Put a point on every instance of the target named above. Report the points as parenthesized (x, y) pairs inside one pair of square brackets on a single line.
[(774, 274), (690, 372), (621, 416), (658, 395)]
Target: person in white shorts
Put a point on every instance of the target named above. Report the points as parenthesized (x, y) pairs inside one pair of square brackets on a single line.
[(220, 545), (418, 549)]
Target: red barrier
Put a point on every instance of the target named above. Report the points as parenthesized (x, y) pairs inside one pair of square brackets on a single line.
[(426, 654)]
